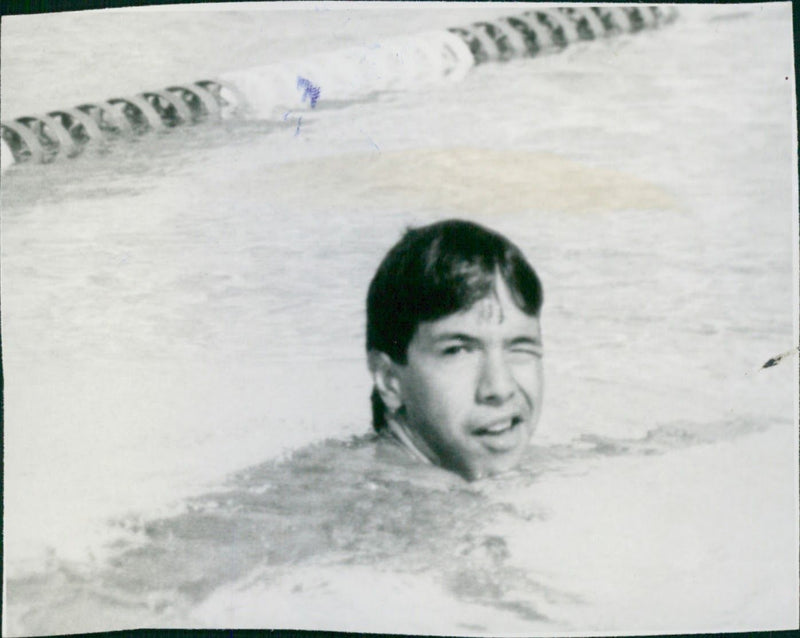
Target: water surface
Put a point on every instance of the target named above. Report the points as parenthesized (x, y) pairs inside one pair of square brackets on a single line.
[(183, 315)]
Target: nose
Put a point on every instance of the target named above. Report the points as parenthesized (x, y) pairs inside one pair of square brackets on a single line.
[(496, 383)]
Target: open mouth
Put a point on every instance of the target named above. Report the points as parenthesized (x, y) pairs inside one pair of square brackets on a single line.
[(498, 428), (502, 435)]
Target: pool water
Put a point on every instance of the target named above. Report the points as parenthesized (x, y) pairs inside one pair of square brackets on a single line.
[(186, 397)]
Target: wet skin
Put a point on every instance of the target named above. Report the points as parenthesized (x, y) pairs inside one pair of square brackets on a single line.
[(471, 389)]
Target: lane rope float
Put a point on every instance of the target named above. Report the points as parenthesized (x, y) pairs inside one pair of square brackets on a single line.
[(296, 86)]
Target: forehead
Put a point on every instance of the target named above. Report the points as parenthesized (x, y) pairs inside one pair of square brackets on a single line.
[(494, 315)]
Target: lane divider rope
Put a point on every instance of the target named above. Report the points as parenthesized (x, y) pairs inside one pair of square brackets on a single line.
[(276, 90)]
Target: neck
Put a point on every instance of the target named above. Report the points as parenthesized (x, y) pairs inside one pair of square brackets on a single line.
[(399, 433)]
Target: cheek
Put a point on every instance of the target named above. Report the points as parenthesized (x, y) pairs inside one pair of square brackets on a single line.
[(530, 378), (438, 396)]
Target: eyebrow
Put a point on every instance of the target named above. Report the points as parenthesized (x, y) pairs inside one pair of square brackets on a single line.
[(466, 338), (455, 336)]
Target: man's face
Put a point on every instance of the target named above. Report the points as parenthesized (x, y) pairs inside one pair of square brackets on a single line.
[(471, 388)]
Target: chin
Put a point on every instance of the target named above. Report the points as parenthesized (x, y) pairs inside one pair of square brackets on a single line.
[(493, 467)]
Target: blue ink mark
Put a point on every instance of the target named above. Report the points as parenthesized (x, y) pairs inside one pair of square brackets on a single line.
[(286, 115), (310, 91), (297, 130)]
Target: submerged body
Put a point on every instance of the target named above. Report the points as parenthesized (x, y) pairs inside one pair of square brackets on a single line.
[(322, 538)]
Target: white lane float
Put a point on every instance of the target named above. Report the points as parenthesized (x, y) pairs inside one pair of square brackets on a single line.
[(272, 91)]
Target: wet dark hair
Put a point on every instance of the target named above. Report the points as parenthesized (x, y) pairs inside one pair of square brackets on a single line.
[(435, 271)]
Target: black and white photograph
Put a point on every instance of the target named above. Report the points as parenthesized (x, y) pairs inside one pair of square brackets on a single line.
[(429, 318)]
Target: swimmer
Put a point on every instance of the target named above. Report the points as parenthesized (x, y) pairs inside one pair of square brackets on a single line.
[(454, 347)]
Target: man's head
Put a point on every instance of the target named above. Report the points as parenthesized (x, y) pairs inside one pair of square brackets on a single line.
[(454, 347)]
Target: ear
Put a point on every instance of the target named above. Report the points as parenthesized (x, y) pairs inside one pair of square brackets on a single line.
[(386, 379)]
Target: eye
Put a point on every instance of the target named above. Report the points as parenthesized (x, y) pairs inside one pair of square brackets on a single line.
[(454, 350), (527, 351)]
